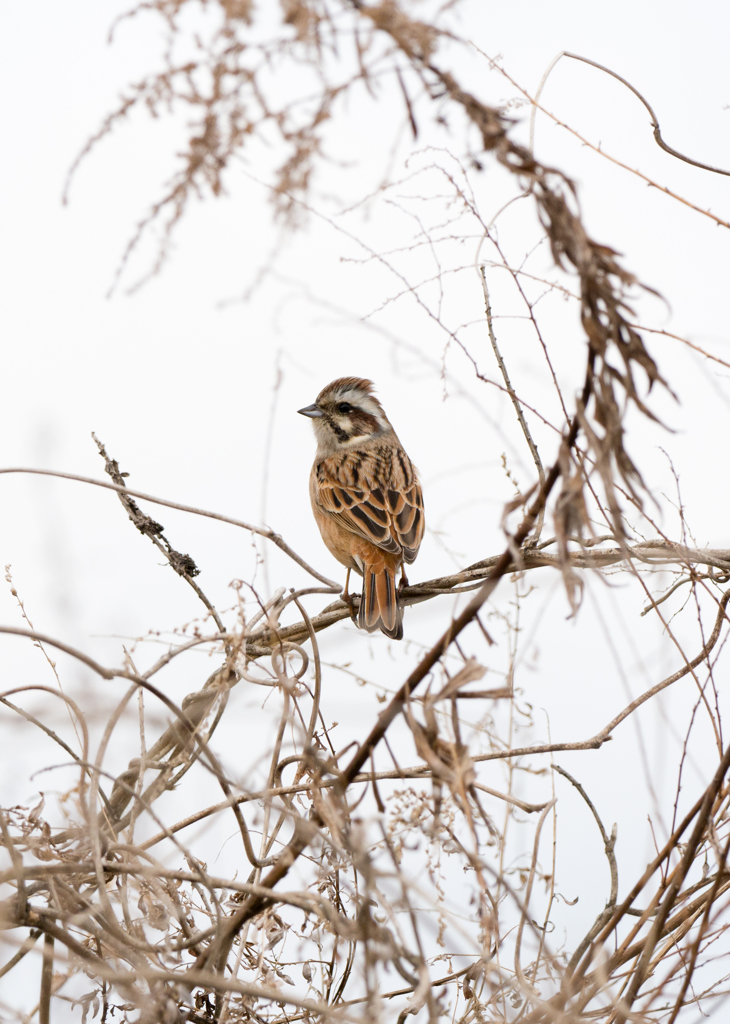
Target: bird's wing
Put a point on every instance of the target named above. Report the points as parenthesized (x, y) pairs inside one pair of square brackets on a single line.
[(409, 522), (375, 495)]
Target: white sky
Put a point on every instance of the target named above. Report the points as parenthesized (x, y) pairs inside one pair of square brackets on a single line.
[(178, 378)]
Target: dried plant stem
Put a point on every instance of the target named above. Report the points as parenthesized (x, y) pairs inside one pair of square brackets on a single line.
[(259, 531), (526, 986), (718, 885), (619, 163), (609, 843), (183, 565), (512, 394), (665, 907), (654, 120), (600, 737), (609, 846), (44, 1005)]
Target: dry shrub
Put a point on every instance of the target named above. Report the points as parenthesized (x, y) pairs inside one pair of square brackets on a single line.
[(344, 909)]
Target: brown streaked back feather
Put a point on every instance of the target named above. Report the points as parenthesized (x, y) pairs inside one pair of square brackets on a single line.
[(374, 493)]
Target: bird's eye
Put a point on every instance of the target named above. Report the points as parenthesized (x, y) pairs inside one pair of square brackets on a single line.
[(344, 407)]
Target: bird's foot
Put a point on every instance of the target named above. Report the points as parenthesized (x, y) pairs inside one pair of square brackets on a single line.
[(347, 598)]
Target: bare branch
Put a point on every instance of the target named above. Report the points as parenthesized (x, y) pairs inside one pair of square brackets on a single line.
[(120, 489), (654, 120)]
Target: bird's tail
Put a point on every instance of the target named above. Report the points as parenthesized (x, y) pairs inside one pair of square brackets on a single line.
[(379, 605)]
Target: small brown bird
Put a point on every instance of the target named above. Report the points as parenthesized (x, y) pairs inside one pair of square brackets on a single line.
[(366, 497)]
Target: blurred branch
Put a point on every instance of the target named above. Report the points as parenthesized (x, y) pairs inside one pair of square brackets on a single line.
[(197, 704), (25, 948), (720, 884), (44, 1005)]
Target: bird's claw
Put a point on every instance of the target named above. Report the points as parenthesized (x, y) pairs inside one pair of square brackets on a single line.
[(349, 601)]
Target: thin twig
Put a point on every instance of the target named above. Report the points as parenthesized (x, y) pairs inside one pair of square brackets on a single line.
[(609, 846), (600, 737), (654, 120), (508, 384), (609, 843), (259, 531), (183, 565)]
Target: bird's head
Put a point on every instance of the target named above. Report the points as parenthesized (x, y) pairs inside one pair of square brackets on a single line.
[(345, 414)]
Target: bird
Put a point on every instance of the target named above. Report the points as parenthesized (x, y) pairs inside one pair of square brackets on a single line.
[(366, 498)]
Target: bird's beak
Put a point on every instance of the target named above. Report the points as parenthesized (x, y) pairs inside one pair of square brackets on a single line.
[(313, 411)]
